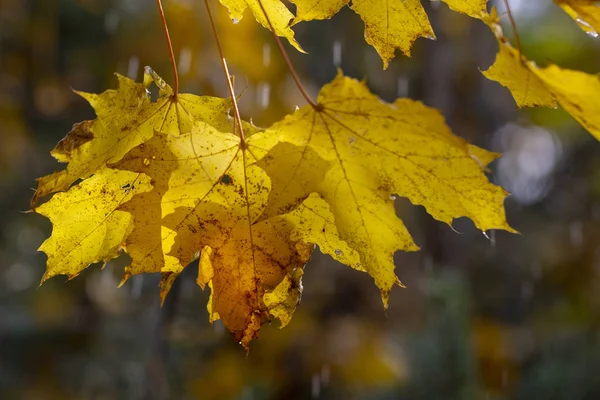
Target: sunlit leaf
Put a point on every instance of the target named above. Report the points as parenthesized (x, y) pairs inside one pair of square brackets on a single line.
[(376, 151), (125, 118), (87, 225), (577, 92)]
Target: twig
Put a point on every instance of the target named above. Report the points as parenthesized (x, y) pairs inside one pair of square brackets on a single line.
[(173, 63)]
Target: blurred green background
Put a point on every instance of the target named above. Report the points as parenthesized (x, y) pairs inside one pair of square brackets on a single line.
[(504, 317)]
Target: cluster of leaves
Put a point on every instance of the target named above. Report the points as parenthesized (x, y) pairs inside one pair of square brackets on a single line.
[(172, 181)]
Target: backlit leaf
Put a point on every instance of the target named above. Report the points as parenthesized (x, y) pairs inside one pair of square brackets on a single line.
[(376, 151), (513, 72), (213, 195), (577, 92), (87, 225), (125, 118), (392, 25), (176, 184)]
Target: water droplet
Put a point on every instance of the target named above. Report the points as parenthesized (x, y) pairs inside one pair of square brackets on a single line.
[(491, 237), (589, 29), (338, 252), (337, 53), (236, 21), (393, 197)]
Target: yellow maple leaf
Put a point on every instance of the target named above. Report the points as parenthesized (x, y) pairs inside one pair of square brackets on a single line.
[(585, 12), (389, 25), (194, 188), (87, 225), (278, 14), (251, 210), (375, 151), (512, 71), (125, 118), (207, 197), (577, 92)]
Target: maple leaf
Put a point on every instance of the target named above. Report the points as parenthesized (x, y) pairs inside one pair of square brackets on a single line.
[(577, 92), (585, 12), (210, 193), (377, 151), (87, 227), (389, 25), (125, 118), (175, 194)]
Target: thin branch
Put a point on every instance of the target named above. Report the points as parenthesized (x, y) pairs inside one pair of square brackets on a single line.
[(290, 66), (514, 26), (236, 110), (173, 63)]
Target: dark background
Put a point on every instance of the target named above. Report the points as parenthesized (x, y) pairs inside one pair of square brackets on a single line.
[(509, 317)]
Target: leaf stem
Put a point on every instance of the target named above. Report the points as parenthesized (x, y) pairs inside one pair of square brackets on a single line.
[(236, 109), (290, 66), (514, 26), (173, 63)]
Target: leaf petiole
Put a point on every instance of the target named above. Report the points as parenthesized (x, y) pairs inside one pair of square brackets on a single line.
[(514, 26), (173, 63), (290, 66), (228, 78)]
